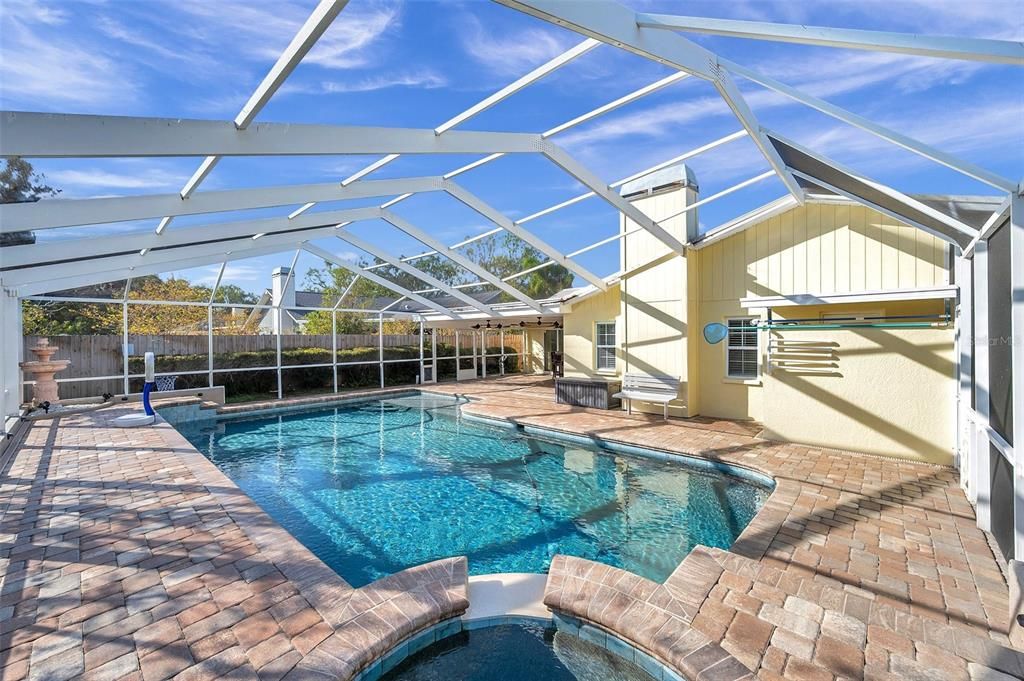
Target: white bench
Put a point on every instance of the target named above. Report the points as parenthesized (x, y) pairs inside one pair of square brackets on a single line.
[(646, 388)]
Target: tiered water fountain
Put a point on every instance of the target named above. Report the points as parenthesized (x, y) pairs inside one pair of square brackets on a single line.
[(42, 370)]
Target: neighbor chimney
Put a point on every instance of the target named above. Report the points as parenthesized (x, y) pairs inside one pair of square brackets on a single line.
[(282, 291)]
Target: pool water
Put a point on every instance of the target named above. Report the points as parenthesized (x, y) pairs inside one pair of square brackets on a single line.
[(378, 486), (515, 652)]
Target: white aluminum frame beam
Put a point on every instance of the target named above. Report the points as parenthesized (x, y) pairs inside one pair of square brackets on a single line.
[(180, 255), (725, 192), (409, 269), (612, 23), (478, 108), (1016, 227), (949, 221), (870, 204), (615, 104), (943, 47), (899, 139), (506, 223), (53, 213), (521, 83), (323, 223), (401, 290), (42, 135), (737, 225), (618, 183), (994, 220), (138, 266), (416, 233), (588, 179), (314, 27), (562, 127)]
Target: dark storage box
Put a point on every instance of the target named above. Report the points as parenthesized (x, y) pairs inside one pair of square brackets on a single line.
[(595, 393)]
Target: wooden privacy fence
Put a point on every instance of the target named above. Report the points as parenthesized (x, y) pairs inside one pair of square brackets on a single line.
[(96, 355)]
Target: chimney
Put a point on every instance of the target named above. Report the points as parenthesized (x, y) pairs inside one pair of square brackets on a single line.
[(673, 178), (282, 291)]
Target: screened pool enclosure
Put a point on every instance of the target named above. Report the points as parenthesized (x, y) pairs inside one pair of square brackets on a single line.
[(450, 328)]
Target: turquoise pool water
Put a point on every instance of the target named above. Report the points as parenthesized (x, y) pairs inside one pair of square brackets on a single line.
[(374, 487)]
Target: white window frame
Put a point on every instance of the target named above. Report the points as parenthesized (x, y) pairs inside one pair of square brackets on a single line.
[(598, 346), (756, 378)]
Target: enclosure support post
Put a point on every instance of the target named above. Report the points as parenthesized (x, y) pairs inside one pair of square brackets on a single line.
[(1017, 364), (334, 346), (982, 448), (420, 381), (501, 353), (380, 347), (278, 320), (433, 354), (483, 351), (209, 343), (124, 343), (11, 350), (965, 368), (458, 363)]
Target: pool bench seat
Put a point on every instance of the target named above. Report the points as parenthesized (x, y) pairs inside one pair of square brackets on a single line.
[(372, 620), (656, 388)]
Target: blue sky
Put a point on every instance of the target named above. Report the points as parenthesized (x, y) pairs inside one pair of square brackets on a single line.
[(415, 64)]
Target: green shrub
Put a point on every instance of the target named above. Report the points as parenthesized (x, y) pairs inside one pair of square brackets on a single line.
[(304, 378)]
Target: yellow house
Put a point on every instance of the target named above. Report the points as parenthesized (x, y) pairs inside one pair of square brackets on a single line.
[(838, 322), (838, 319)]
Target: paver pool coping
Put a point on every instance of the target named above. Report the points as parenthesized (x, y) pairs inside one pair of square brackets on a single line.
[(726, 668), (563, 623)]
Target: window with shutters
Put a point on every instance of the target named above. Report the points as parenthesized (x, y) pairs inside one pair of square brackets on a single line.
[(742, 354), (604, 332)]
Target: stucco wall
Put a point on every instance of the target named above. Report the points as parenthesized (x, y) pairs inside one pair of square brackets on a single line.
[(534, 351), (893, 389), (882, 391), (654, 297), (578, 339)]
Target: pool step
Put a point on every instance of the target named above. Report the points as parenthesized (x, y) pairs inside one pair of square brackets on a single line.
[(505, 594)]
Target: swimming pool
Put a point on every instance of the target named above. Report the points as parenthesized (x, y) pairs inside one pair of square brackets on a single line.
[(377, 486), (513, 652)]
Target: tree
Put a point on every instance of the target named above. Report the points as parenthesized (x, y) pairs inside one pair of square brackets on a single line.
[(506, 254), (161, 319), (234, 294), (502, 255), (20, 183)]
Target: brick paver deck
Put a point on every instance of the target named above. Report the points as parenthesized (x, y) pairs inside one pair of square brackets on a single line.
[(857, 566), (126, 554)]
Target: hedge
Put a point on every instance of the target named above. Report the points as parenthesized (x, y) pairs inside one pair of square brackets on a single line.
[(304, 378)]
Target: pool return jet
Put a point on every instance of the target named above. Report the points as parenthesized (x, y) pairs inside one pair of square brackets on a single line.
[(146, 418)]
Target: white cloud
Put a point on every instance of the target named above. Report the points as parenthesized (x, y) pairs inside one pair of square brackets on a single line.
[(32, 11), (345, 44), (425, 79), (510, 54), (151, 179), (233, 273), (41, 72), (263, 30)]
